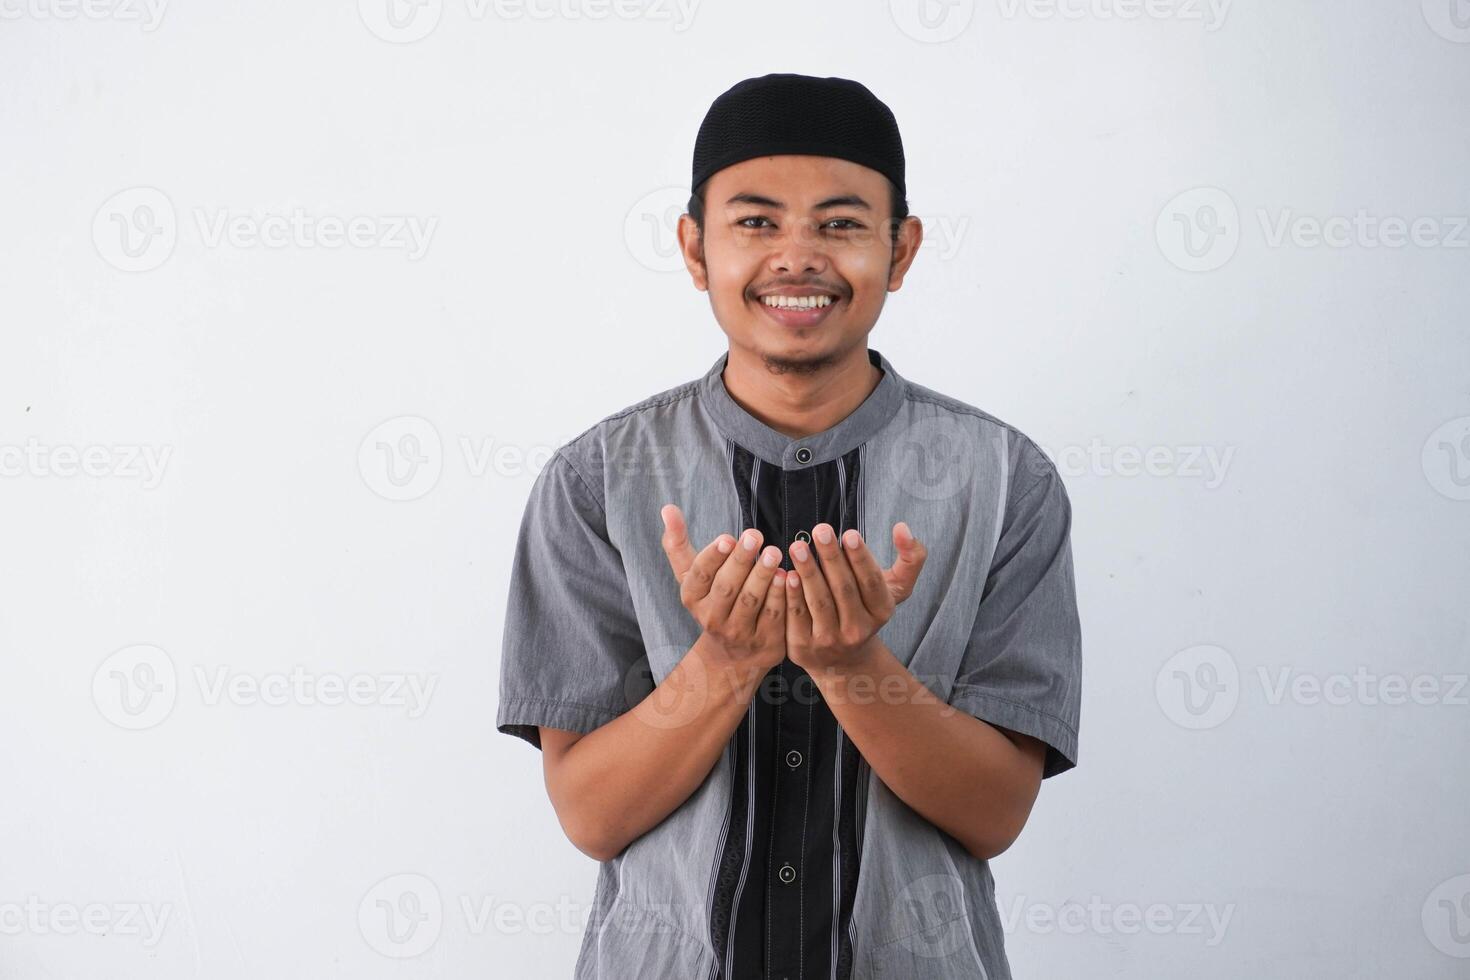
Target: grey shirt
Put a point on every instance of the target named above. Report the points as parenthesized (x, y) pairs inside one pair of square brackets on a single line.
[(594, 620)]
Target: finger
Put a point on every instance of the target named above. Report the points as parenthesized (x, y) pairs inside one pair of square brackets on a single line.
[(906, 567), (872, 587), (744, 617), (731, 575), (840, 580), (676, 540), (696, 583), (821, 612), (798, 620), (772, 625)]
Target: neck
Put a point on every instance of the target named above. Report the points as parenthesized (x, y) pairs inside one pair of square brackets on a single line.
[(798, 400)]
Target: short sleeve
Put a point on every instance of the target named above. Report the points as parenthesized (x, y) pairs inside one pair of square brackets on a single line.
[(571, 643), (1022, 667)]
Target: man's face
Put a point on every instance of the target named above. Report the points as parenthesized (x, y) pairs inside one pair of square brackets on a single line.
[(798, 226)]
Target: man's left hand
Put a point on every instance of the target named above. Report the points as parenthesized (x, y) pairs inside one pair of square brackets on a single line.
[(839, 598)]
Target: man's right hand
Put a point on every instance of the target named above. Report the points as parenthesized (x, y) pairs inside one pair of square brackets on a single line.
[(735, 590)]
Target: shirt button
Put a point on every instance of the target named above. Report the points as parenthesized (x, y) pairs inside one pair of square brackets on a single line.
[(803, 455), (793, 758), (787, 873)]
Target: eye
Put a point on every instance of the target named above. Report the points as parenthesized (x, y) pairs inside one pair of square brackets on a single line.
[(846, 224)]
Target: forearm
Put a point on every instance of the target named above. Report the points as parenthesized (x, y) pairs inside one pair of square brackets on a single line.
[(963, 775), (618, 782)]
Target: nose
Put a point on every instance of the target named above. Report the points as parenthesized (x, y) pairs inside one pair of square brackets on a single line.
[(798, 252)]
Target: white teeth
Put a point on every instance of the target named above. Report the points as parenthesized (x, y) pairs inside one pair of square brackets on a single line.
[(797, 302)]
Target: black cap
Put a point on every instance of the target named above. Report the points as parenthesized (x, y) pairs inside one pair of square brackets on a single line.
[(788, 113)]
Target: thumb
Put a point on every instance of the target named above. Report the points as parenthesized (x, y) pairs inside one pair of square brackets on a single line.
[(910, 561), (676, 540)]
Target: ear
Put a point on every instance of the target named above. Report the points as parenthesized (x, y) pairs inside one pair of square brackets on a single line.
[(691, 247), (905, 249)]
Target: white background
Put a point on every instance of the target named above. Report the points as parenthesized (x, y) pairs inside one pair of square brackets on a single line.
[(1217, 825)]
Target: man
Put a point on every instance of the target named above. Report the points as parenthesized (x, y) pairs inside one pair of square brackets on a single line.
[(798, 640)]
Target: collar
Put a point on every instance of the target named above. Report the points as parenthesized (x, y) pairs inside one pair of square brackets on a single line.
[(775, 447)]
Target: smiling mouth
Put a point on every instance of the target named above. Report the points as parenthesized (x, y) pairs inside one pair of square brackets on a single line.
[(798, 311), (784, 302)]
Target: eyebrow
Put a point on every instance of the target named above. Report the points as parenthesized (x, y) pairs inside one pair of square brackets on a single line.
[(843, 201)]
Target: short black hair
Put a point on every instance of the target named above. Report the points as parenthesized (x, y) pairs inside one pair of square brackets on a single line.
[(899, 208)]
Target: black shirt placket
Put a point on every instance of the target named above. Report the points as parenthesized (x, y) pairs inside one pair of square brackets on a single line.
[(782, 920)]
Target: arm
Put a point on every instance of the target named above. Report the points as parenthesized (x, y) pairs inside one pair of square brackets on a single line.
[(614, 784), (976, 781), (972, 780), (573, 639)]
